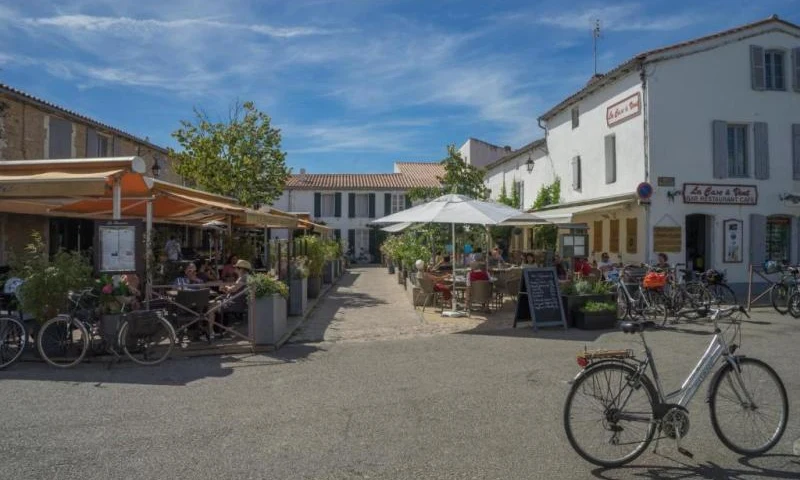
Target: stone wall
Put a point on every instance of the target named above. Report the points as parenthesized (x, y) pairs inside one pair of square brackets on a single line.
[(15, 233)]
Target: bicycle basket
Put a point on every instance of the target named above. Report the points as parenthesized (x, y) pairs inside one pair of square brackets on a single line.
[(771, 266), (655, 280), (714, 277), (634, 275), (145, 323)]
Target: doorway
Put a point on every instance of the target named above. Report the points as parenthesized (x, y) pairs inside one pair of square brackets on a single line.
[(698, 242), (71, 234)]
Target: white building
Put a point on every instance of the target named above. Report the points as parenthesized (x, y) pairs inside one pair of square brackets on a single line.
[(348, 202), (480, 154), (712, 124)]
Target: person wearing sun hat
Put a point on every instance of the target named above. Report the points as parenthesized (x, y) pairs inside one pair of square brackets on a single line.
[(243, 269)]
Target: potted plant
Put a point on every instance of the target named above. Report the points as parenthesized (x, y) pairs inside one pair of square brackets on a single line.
[(315, 253), (331, 251), (577, 293), (596, 316), (114, 297), (267, 308), (47, 281), (298, 298), (389, 250)]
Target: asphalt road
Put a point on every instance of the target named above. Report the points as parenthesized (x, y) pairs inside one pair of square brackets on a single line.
[(449, 406)]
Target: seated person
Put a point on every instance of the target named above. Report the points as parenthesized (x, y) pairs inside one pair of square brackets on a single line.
[(558, 263), (663, 261), (444, 265), (206, 272), (582, 266), (478, 255), (605, 264), (243, 269), (189, 277), (496, 258), (439, 285), (477, 273), (530, 260), (229, 270)]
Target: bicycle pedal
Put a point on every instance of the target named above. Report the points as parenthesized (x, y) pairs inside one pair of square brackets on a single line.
[(685, 452)]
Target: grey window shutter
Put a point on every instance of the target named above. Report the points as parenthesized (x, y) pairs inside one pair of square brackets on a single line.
[(758, 239), (337, 204), (351, 240), (720, 148), (373, 243), (91, 143), (576, 173), (408, 201), (796, 151), (317, 205), (117, 147), (60, 132), (371, 205), (756, 67), (387, 204), (351, 206), (796, 69), (337, 233), (611, 159), (761, 150)]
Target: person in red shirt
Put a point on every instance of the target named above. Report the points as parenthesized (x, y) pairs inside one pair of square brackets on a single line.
[(477, 273), (582, 266)]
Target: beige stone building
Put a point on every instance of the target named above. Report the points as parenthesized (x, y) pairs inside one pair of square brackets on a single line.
[(35, 129)]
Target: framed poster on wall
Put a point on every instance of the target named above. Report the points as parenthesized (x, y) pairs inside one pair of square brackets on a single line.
[(118, 247), (732, 241)]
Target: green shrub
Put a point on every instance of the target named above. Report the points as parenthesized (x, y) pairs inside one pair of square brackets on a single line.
[(264, 285), (596, 307)]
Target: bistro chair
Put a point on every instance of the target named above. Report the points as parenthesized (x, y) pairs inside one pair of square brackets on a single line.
[(188, 309), (510, 286), (479, 293), (426, 290)]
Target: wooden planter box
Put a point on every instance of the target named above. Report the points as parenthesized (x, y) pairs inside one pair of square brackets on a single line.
[(298, 296), (573, 304), (314, 286), (595, 320), (267, 319)]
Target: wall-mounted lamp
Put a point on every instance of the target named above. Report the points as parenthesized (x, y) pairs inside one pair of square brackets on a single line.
[(529, 163), (156, 168)]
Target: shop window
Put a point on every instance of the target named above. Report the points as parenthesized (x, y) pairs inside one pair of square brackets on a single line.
[(779, 230)]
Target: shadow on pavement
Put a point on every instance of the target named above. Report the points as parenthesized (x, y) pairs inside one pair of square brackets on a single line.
[(173, 372), (347, 279), (781, 466)]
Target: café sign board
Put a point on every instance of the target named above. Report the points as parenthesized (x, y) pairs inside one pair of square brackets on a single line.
[(717, 194), (624, 110)]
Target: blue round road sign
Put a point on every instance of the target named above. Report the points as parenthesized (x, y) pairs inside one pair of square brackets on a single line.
[(644, 190)]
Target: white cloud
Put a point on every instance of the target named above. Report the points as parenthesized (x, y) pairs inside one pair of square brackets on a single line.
[(621, 18)]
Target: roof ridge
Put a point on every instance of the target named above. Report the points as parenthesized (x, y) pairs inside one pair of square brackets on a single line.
[(29, 97)]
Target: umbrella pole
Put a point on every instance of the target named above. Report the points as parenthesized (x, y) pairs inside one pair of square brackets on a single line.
[(453, 263)]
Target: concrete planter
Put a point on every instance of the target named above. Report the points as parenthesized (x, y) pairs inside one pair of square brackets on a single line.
[(314, 286), (298, 296), (327, 272), (400, 279), (267, 319)]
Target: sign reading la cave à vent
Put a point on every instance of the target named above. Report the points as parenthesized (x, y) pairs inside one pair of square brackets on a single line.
[(623, 110), (720, 194)]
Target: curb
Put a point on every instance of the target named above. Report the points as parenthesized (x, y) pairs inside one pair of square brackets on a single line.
[(299, 321)]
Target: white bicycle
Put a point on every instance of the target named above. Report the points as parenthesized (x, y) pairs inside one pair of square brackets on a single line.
[(614, 409)]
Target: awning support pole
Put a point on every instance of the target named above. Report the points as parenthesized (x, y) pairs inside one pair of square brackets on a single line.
[(116, 201), (148, 253)]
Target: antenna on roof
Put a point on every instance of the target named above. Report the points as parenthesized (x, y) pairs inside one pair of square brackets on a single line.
[(595, 37)]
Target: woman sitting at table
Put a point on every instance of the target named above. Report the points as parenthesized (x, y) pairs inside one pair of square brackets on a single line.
[(496, 258), (229, 270), (206, 272), (243, 269), (444, 265), (477, 273), (530, 261), (439, 285), (189, 277)]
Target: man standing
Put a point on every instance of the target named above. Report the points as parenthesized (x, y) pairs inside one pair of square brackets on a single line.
[(173, 249)]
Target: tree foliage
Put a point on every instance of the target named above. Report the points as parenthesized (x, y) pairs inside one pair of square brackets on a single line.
[(459, 177), (240, 158), (546, 236)]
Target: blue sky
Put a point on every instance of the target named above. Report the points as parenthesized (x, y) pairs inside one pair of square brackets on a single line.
[(353, 85)]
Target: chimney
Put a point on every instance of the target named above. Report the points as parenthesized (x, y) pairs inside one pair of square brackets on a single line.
[(507, 148), (302, 171)]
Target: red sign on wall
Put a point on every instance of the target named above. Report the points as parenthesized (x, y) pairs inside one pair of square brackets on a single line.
[(624, 110)]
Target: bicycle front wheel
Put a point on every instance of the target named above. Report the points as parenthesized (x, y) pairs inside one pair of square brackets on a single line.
[(150, 345), (779, 296), (62, 341), (748, 406), (12, 341), (608, 414), (794, 305), (722, 295)]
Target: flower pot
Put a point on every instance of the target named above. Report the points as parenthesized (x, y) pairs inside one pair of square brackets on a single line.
[(267, 319), (298, 296), (595, 320), (327, 272), (314, 286)]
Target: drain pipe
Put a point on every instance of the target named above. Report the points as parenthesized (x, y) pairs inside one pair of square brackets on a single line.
[(646, 150)]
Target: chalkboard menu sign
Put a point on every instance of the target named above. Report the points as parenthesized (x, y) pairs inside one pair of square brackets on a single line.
[(539, 299)]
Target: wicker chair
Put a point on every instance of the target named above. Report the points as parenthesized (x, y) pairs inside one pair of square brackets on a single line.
[(479, 293), (426, 289)]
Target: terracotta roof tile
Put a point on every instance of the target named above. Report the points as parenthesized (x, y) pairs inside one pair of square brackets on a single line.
[(358, 181), (424, 170), (615, 72), (19, 94)]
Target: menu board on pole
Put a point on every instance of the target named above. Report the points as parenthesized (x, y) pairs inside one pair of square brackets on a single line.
[(118, 248), (539, 299)]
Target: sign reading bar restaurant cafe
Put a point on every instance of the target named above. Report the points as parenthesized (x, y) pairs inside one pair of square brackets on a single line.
[(623, 110), (720, 194)]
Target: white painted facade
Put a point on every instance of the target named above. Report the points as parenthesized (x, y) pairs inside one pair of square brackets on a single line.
[(480, 154), (683, 90)]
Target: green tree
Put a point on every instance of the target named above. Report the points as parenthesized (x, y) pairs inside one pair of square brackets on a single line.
[(504, 198), (240, 158), (515, 200), (459, 177), (546, 236)]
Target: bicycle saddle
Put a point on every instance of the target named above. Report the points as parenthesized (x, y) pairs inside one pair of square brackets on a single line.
[(636, 327)]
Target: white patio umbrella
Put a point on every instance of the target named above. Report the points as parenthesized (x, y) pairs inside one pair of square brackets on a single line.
[(455, 209)]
